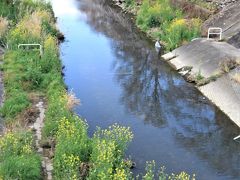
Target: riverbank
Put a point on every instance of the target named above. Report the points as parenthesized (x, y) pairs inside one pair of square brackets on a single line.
[(173, 23), (202, 61), (214, 65)]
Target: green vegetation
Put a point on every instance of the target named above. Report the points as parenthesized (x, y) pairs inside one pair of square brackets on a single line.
[(150, 174), (108, 152), (23, 75), (164, 22), (18, 160)]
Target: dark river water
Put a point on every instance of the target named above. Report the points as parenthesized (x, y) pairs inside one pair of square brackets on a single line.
[(118, 76)]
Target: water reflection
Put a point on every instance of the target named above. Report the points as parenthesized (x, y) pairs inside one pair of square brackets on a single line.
[(154, 93)]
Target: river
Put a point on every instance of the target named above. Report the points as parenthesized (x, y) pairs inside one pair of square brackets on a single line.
[(118, 76)]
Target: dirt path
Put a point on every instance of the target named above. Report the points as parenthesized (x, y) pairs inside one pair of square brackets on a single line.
[(47, 166)]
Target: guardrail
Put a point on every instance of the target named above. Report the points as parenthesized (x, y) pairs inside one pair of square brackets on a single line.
[(39, 45), (215, 31), (236, 138)]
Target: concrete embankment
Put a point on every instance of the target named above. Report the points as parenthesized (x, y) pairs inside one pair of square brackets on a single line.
[(229, 20), (208, 58), (218, 62), (214, 63)]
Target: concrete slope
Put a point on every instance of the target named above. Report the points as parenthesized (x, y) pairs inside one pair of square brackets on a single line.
[(225, 93), (203, 55), (228, 19)]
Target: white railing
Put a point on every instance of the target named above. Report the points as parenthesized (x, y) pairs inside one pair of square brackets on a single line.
[(215, 31), (236, 138), (39, 45)]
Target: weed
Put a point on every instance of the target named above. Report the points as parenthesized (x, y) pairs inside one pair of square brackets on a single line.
[(3, 30), (107, 154), (72, 148), (18, 160), (199, 76), (228, 64), (172, 29)]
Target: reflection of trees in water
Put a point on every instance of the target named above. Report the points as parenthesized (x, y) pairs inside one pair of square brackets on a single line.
[(160, 97)]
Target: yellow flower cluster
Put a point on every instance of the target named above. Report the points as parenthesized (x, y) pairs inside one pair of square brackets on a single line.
[(71, 163), (71, 160), (27, 149), (121, 173), (102, 158), (176, 24), (8, 139), (179, 22), (182, 176), (11, 142), (105, 151), (117, 133), (66, 129), (109, 145)]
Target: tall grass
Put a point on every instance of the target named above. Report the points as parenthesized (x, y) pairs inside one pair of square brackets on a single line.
[(22, 76), (162, 21), (3, 30), (18, 159), (15, 10)]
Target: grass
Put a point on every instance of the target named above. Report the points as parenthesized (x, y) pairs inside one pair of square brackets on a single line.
[(162, 21), (18, 157)]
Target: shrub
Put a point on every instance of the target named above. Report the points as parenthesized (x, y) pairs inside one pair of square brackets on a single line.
[(162, 175), (172, 28), (178, 31), (57, 107), (50, 61), (107, 154), (72, 148), (154, 14)]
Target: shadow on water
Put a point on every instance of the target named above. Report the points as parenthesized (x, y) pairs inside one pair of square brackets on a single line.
[(172, 122)]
